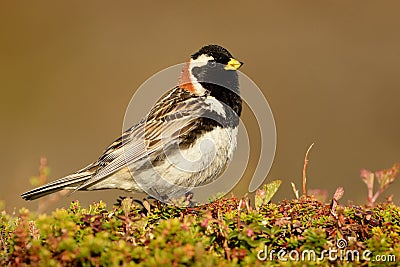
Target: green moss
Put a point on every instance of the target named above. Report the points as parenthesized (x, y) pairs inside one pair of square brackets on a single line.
[(226, 232)]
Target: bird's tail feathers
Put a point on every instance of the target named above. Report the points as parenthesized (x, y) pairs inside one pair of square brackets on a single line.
[(69, 182)]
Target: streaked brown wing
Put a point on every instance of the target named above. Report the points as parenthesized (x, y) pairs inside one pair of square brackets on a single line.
[(165, 123)]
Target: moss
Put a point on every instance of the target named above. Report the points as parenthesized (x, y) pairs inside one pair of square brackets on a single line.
[(226, 232)]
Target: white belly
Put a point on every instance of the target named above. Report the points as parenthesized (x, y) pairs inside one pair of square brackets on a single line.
[(184, 169)]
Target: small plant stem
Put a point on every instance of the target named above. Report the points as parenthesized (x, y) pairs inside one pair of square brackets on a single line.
[(305, 170)]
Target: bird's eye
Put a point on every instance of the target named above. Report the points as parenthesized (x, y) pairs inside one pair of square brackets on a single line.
[(212, 63)]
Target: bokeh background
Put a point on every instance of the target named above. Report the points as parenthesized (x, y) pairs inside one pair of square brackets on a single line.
[(329, 69)]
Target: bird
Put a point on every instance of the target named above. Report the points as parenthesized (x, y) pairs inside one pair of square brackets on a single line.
[(187, 139)]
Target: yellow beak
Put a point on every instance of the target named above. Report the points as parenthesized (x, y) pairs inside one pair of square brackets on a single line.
[(233, 64)]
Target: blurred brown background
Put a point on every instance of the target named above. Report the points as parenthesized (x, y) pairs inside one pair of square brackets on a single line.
[(329, 69)]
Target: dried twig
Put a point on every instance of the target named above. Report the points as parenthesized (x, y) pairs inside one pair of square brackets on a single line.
[(295, 191), (305, 169)]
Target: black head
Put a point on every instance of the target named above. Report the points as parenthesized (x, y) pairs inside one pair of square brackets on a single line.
[(220, 54), (217, 54), (214, 68)]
